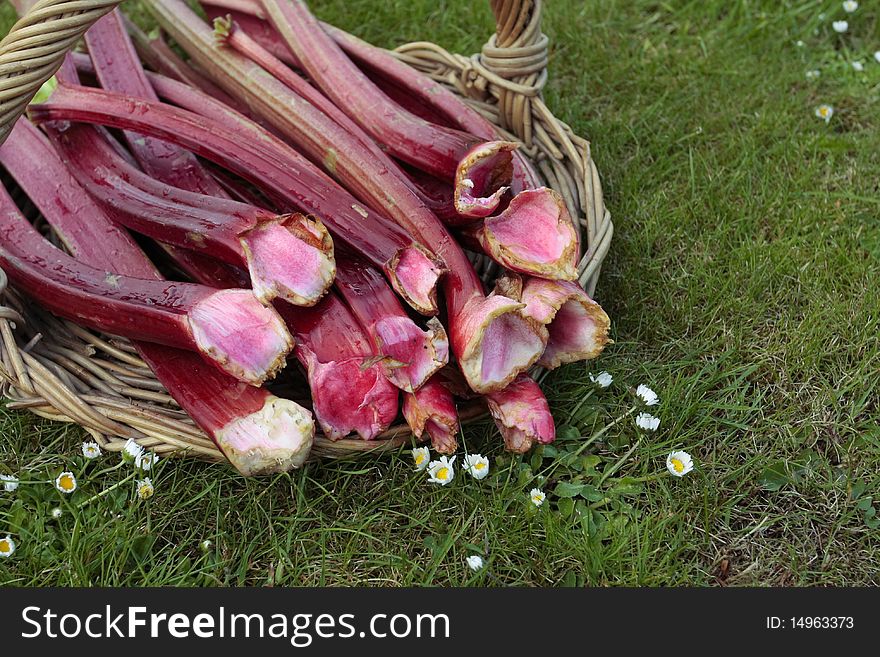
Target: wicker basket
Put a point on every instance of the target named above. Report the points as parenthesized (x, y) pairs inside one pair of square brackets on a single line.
[(61, 371)]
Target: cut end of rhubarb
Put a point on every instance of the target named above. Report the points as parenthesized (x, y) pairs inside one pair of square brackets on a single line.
[(242, 336), (411, 354), (431, 410), (350, 396), (276, 438), (482, 177), (533, 235), (413, 273), (577, 327), (291, 259), (522, 415), (494, 342)]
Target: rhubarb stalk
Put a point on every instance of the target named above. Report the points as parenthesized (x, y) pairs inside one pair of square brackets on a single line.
[(522, 415), (479, 170), (268, 163), (287, 256), (411, 355), (431, 410), (229, 327), (350, 393), (490, 337)]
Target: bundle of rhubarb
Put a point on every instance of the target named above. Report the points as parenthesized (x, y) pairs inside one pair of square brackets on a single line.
[(287, 191)]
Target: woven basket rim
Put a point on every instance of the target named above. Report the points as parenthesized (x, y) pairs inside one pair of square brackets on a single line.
[(60, 371)]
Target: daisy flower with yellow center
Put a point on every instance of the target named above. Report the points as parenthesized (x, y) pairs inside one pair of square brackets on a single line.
[(679, 463), (441, 471), (825, 112), (537, 496), (91, 450), (7, 546), (477, 465), (65, 482), (145, 488), (10, 483), (850, 6), (421, 456)]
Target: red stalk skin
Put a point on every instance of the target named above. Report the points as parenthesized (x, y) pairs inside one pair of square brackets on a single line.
[(472, 315), (350, 393), (256, 431), (522, 414), (411, 355), (118, 69), (270, 164), (182, 315), (288, 256), (479, 170), (431, 410)]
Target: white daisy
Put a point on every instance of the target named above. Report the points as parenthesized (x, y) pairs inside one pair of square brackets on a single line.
[(850, 6), (840, 26), (145, 488), (145, 461), (441, 471), (679, 463), (65, 482), (825, 112), (10, 483), (877, 56), (474, 562), (131, 450), (812, 75), (647, 395), (477, 465), (91, 450), (858, 66), (799, 43), (647, 422), (205, 545), (602, 379), (56, 513), (421, 456), (7, 546), (537, 496)]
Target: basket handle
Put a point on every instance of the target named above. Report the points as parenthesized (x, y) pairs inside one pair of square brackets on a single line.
[(514, 61), (35, 47)]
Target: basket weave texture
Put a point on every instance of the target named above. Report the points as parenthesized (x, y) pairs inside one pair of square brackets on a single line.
[(63, 372)]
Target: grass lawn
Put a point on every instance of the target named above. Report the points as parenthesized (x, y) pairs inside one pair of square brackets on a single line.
[(743, 288)]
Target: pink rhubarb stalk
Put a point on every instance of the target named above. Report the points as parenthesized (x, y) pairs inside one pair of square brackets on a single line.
[(350, 393), (287, 256), (431, 410), (269, 163), (411, 354), (228, 327), (515, 342), (522, 415), (479, 170)]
